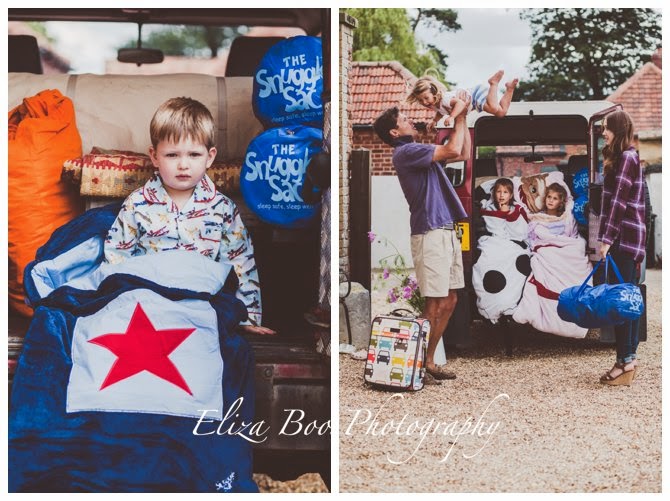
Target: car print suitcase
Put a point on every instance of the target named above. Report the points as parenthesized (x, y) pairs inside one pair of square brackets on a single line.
[(397, 351)]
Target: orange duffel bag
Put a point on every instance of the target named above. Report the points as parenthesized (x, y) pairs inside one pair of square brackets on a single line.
[(42, 135)]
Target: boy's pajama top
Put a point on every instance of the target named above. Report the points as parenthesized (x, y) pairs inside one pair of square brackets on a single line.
[(209, 223)]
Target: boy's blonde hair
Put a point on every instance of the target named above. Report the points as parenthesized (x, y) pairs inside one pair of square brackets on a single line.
[(182, 117), (427, 83)]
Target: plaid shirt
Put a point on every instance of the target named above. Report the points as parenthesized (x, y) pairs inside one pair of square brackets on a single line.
[(622, 213)]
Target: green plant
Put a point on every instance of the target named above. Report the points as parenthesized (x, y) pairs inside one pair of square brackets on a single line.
[(486, 152), (394, 267)]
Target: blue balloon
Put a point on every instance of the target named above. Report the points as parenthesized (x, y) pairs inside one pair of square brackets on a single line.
[(288, 83), (273, 174)]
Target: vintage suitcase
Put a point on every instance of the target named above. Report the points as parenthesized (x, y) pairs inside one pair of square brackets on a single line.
[(397, 351)]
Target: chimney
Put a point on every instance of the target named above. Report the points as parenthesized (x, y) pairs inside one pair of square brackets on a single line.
[(656, 57)]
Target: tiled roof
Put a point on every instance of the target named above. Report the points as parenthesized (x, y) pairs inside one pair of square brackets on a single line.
[(376, 86), (640, 96)]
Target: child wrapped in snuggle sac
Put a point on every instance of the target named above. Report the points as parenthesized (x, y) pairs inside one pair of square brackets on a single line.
[(558, 257), (500, 272), (552, 220)]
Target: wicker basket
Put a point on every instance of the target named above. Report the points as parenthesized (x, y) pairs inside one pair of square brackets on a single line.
[(116, 173)]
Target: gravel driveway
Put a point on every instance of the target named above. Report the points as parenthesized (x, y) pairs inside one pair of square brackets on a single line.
[(538, 421)]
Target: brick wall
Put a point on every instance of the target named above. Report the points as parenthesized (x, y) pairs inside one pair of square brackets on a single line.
[(365, 138), (510, 159), (509, 165), (347, 25)]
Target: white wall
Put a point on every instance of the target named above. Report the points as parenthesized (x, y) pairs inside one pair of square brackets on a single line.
[(390, 219)]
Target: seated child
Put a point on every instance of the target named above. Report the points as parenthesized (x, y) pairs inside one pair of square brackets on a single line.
[(554, 200), (502, 194), (504, 218), (553, 217), (179, 207), (501, 269), (558, 261), (430, 93)]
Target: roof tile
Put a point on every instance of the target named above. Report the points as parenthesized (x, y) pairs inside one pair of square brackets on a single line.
[(376, 86), (640, 96)]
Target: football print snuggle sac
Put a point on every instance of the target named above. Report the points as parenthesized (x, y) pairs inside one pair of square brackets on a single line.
[(499, 275), (288, 83)]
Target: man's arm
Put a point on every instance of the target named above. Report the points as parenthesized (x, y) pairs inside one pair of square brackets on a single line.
[(457, 107), (465, 152), (431, 125), (454, 150)]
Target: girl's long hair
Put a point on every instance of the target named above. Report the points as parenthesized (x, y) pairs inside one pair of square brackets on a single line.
[(621, 125), (425, 83)]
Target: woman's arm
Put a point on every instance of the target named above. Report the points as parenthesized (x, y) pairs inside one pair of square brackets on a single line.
[(615, 212)]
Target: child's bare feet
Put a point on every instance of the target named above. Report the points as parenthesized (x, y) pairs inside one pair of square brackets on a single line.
[(497, 76), (512, 84)]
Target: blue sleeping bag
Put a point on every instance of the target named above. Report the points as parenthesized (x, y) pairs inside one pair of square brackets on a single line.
[(118, 365)]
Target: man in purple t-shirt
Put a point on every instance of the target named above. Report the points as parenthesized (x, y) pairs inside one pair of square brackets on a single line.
[(434, 210)]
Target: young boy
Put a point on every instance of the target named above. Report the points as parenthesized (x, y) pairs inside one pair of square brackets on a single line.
[(430, 93), (180, 209)]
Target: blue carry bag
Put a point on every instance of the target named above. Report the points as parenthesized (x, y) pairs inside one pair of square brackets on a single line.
[(601, 305)]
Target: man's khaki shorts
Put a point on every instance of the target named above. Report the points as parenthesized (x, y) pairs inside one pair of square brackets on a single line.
[(438, 262)]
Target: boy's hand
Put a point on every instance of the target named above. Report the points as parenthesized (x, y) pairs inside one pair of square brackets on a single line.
[(430, 126), (258, 330), (449, 121)]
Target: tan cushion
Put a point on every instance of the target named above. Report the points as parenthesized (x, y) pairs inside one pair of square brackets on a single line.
[(117, 173), (115, 110)]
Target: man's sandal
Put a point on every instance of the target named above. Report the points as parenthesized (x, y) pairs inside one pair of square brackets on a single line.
[(430, 380), (440, 373), (625, 378)]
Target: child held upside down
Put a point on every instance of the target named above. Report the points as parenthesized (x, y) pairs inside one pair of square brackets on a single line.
[(430, 93), (179, 207)]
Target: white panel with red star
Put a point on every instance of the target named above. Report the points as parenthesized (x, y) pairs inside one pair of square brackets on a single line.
[(145, 353)]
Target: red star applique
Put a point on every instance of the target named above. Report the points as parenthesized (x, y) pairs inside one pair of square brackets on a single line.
[(143, 348)]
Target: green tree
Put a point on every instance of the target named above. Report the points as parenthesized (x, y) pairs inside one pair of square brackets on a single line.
[(440, 19), (388, 35), (586, 53), (192, 41), (41, 28)]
